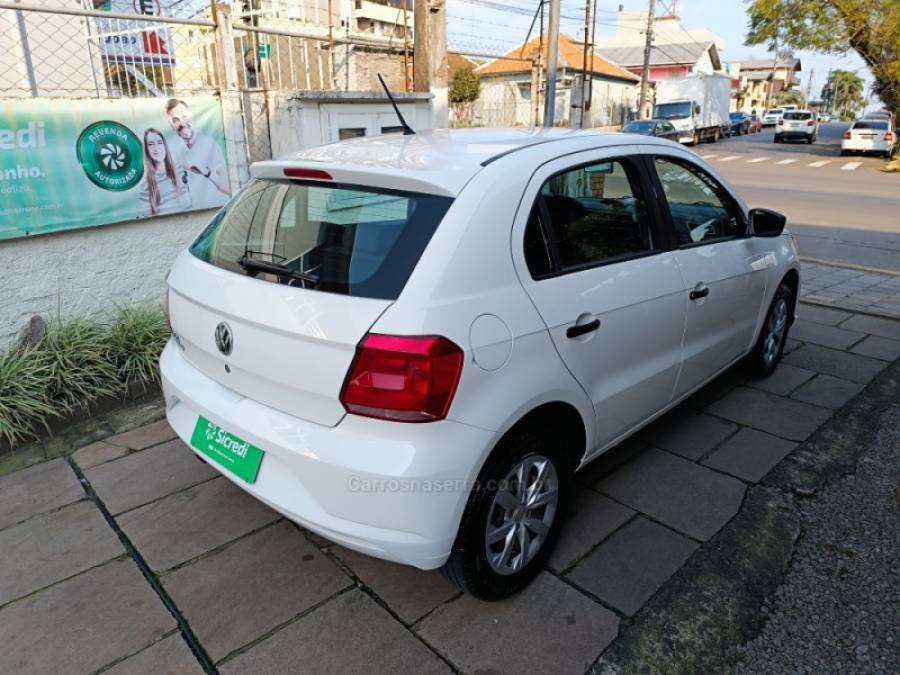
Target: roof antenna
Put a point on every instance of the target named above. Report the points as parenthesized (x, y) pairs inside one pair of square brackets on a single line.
[(407, 130)]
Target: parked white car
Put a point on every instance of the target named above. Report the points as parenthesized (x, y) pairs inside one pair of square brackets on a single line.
[(869, 135), (800, 125), (407, 344), (771, 117)]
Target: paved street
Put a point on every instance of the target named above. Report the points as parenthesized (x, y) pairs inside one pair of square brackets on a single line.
[(130, 556), (843, 209)]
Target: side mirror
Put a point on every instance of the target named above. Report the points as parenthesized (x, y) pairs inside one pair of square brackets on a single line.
[(697, 109), (766, 223)]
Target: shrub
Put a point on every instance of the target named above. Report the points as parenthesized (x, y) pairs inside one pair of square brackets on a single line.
[(80, 370), (24, 406), (135, 342)]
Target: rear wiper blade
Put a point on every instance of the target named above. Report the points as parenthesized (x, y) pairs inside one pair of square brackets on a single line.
[(254, 266)]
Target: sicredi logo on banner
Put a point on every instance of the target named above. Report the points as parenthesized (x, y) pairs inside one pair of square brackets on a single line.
[(110, 154), (30, 136)]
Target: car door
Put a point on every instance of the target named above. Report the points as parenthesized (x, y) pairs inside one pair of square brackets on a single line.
[(668, 131), (592, 257), (723, 268)]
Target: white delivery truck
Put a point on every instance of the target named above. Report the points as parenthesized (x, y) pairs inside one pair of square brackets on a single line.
[(697, 106)]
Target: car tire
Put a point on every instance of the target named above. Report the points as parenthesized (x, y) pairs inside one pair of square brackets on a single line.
[(696, 139), (774, 333), (775, 139), (844, 153), (495, 570)]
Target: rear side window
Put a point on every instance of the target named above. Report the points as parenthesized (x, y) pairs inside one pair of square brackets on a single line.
[(871, 124), (357, 241), (585, 217), (798, 116)]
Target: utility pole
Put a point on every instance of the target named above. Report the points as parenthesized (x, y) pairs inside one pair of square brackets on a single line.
[(809, 85), (430, 55), (771, 88), (552, 55), (644, 113)]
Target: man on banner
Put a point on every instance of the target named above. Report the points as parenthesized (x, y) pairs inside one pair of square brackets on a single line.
[(203, 158)]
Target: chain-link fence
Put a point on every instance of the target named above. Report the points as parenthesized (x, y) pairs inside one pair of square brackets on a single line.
[(70, 52)]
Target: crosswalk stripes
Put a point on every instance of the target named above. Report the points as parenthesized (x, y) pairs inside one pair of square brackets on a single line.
[(847, 166)]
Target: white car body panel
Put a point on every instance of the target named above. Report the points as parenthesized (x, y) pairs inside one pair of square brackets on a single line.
[(868, 140), (293, 346)]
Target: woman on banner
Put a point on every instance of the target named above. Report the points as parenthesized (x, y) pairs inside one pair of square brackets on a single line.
[(165, 185)]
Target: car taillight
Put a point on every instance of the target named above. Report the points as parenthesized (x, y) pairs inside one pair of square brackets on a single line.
[(847, 135), (810, 123), (781, 121), (405, 379), (889, 137)]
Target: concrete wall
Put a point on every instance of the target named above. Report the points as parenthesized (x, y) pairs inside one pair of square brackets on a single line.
[(92, 270)]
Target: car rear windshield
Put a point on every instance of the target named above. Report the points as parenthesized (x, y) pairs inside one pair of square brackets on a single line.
[(639, 127), (871, 124), (357, 241), (798, 116), (775, 111)]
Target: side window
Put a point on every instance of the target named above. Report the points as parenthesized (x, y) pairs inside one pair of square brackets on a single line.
[(537, 247), (701, 210), (590, 215)]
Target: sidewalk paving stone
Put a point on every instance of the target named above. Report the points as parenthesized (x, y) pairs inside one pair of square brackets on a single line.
[(83, 623), (349, 634), (784, 380), (609, 461), (409, 592), (39, 488), (827, 391), (750, 454), (184, 525), (547, 628), (169, 656), (53, 546), (827, 336), (591, 518), (97, 453), (240, 593), (823, 315), (145, 476), (874, 326), (836, 363), (627, 569), (685, 496), (686, 434), (878, 348), (773, 414), (145, 436)]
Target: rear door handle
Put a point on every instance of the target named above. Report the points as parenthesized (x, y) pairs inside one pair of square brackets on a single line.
[(699, 292), (582, 329)]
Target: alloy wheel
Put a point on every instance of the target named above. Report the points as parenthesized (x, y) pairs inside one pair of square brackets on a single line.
[(521, 514), (776, 325)]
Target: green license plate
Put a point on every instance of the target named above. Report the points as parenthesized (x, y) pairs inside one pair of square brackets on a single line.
[(227, 450)]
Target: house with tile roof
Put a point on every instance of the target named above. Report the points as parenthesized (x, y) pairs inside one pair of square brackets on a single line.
[(508, 86)]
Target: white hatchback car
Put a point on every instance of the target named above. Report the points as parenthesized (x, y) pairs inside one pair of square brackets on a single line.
[(407, 344), (800, 125)]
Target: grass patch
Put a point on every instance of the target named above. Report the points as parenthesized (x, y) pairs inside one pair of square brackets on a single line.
[(78, 362)]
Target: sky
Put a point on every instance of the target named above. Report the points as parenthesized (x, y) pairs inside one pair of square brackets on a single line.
[(497, 26)]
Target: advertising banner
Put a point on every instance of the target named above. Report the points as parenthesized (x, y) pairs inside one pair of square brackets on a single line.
[(66, 164)]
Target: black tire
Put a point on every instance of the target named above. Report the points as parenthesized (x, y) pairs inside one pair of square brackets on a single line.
[(696, 139), (468, 566), (775, 139), (765, 356), (844, 153)]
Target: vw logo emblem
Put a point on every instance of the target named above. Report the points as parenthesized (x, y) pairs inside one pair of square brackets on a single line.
[(224, 340)]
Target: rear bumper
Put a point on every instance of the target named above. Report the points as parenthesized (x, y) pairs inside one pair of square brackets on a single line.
[(794, 134), (391, 490), (858, 145)]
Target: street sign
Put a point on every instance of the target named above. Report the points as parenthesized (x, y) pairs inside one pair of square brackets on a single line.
[(264, 50)]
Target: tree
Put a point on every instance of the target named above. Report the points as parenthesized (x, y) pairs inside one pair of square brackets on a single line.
[(465, 87), (787, 97), (871, 28), (843, 93), (464, 90)]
